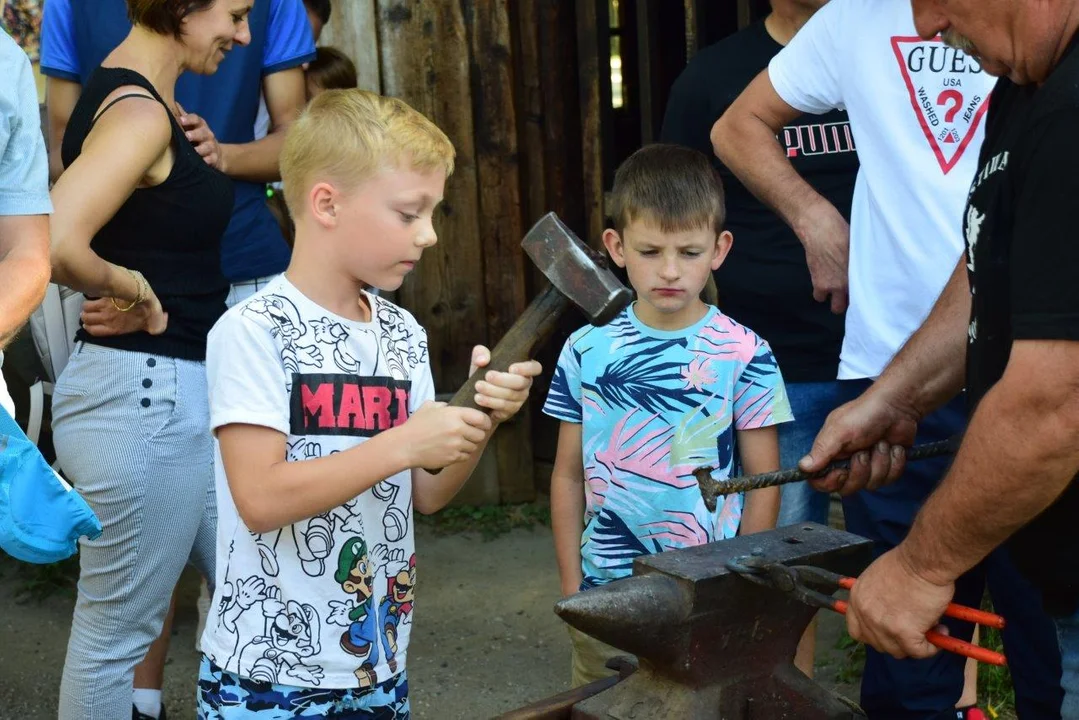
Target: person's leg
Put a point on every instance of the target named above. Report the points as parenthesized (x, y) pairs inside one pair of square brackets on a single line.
[(1030, 638), (1068, 642), (121, 432), (810, 405), (150, 673), (590, 658), (911, 689)]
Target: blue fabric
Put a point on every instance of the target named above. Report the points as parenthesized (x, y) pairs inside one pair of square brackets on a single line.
[(1068, 636), (924, 689), (41, 519), (226, 696), (655, 405), (24, 166), (76, 37), (810, 403)]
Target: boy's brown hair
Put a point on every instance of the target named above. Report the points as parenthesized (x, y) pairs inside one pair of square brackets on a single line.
[(165, 17), (331, 70), (349, 135), (672, 187)]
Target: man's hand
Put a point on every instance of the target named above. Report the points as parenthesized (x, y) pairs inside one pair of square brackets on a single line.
[(502, 393), (200, 135), (892, 607), (825, 234), (874, 433), (440, 435), (100, 318)]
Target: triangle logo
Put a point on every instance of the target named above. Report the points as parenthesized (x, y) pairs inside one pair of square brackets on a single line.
[(947, 101)]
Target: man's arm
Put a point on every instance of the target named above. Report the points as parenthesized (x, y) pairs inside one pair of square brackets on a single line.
[(926, 373), (61, 96), (1019, 453), (745, 139), (258, 161), (24, 270)]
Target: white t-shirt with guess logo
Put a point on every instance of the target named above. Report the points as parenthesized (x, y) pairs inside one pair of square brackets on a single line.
[(326, 602), (917, 111)]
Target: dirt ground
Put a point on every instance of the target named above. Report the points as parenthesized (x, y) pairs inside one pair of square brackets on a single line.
[(485, 638)]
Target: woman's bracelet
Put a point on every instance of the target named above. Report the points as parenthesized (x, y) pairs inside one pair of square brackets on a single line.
[(142, 285)]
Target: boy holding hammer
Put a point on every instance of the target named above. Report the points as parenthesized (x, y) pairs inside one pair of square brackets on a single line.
[(320, 401)]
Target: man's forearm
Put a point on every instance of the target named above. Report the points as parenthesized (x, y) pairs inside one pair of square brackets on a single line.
[(255, 161), (749, 148), (931, 367), (24, 275), (1018, 455)]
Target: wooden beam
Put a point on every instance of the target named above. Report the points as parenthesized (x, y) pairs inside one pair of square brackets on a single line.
[(692, 31), (745, 13), (425, 61), (353, 29), (500, 224), (593, 59), (644, 70)]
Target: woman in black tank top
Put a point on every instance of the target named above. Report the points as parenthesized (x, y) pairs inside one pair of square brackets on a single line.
[(138, 221)]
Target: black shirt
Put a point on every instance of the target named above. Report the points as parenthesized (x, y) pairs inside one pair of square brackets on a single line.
[(1023, 263), (170, 232), (764, 283)]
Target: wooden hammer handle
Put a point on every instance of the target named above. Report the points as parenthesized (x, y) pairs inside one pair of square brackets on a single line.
[(527, 333), (530, 330)]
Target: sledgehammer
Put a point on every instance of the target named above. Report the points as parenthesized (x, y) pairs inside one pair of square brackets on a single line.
[(575, 278)]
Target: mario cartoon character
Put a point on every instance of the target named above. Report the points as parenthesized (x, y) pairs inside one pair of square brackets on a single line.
[(291, 634)]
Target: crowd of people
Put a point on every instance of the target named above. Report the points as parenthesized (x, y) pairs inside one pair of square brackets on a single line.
[(880, 190)]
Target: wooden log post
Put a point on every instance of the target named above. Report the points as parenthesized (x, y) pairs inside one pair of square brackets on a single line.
[(500, 223), (353, 29), (425, 61), (593, 59)]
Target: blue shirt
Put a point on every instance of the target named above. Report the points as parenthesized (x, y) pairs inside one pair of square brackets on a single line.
[(655, 405), (77, 36)]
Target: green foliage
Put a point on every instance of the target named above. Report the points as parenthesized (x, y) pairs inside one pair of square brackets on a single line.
[(490, 521)]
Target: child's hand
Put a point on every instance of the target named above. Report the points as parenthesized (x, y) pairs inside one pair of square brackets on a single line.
[(439, 435), (503, 393)]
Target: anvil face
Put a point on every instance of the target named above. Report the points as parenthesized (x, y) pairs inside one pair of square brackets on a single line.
[(709, 641)]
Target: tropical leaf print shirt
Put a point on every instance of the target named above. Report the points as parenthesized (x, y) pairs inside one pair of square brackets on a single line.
[(655, 405)]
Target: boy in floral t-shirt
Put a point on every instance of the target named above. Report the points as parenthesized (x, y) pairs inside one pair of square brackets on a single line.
[(664, 388)]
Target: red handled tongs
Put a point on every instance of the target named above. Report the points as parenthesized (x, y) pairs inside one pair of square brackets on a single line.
[(813, 586)]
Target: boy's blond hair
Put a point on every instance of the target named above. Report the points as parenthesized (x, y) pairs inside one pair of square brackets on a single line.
[(673, 187), (347, 136)]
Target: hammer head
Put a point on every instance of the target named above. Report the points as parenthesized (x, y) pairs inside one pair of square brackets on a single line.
[(571, 267)]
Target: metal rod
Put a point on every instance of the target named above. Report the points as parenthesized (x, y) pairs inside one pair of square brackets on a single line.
[(712, 489)]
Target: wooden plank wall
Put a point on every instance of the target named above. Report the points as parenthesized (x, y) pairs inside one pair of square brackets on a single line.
[(502, 79)]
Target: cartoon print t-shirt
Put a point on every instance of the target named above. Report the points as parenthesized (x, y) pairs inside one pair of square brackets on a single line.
[(654, 406), (326, 602)]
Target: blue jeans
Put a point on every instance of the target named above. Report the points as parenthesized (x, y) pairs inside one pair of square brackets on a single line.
[(928, 689), (810, 402), (1068, 635)]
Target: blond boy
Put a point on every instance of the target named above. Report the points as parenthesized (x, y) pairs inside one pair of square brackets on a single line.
[(664, 388), (320, 399)]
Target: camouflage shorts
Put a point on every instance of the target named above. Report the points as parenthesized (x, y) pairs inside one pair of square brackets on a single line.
[(224, 696)]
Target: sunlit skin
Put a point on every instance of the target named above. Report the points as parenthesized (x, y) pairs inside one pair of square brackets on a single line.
[(396, 206), (209, 34), (668, 270), (1019, 39)]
